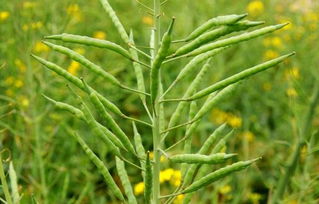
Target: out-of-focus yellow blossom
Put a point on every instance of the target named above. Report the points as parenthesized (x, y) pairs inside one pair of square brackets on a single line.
[(234, 121), (74, 67), (29, 4), (162, 159), (99, 35), (270, 54), (273, 42), (292, 73), (79, 50), (255, 8), (311, 16), (18, 83), (225, 189), (36, 25), (179, 199), (267, 86), (20, 65), (292, 202), (147, 20), (9, 92), (166, 175), (40, 47), (220, 117), (291, 92), (25, 27), (9, 80), (176, 178), (139, 188), (255, 198), (4, 15), (24, 101), (74, 11), (249, 136)]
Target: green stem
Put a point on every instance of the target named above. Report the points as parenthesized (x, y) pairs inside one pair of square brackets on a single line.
[(156, 112), (5, 187)]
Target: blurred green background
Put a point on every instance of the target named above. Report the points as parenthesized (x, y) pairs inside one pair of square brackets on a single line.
[(267, 110)]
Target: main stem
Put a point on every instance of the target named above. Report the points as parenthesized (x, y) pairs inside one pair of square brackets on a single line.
[(156, 112)]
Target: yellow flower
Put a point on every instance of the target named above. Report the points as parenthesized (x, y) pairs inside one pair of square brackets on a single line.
[(9, 92), (24, 101), (36, 25), (292, 202), (20, 65), (166, 175), (139, 188), (276, 42), (74, 11), (99, 35), (291, 92), (28, 4), (218, 116), (9, 80), (267, 86), (18, 83), (234, 121), (255, 8), (179, 199), (25, 27), (162, 159), (249, 136), (4, 15), (40, 47), (292, 73), (254, 198), (147, 20), (225, 189), (81, 51), (74, 67), (176, 178), (270, 54)]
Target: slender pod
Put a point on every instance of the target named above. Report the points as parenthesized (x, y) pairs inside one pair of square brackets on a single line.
[(216, 21), (215, 34), (90, 65), (14, 184), (119, 26), (140, 150), (193, 64), (85, 40), (80, 115), (236, 39), (120, 166), (240, 76), (201, 159), (218, 174), (190, 90), (77, 82), (156, 65), (148, 179), (108, 120), (222, 142), (138, 70), (101, 167), (97, 131)]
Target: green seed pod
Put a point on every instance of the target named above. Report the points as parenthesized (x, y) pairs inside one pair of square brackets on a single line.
[(201, 159), (101, 167), (193, 64), (97, 131), (215, 34), (217, 21), (85, 62), (222, 142), (161, 55), (240, 76), (139, 147), (148, 179), (108, 120), (236, 39), (120, 166), (77, 82), (138, 70), (14, 184), (84, 40), (216, 175), (119, 26)]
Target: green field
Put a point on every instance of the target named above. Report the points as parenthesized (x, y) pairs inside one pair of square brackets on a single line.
[(272, 115)]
